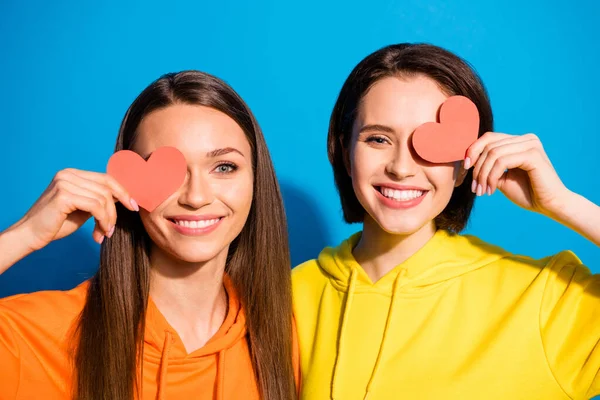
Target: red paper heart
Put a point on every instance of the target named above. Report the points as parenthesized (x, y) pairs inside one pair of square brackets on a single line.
[(149, 182), (448, 140)]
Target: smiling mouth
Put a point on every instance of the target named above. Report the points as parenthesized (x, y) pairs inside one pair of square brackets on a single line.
[(195, 224), (400, 195)]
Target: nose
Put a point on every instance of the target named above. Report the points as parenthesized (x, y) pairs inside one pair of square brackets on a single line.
[(402, 163), (197, 191)]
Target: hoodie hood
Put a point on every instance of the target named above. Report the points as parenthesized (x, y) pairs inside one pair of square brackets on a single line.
[(164, 347), (442, 258)]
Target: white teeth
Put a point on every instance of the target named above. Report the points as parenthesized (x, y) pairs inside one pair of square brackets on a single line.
[(197, 224), (401, 195)]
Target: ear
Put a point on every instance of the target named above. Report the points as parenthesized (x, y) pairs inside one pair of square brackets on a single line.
[(460, 173), (345, 156)]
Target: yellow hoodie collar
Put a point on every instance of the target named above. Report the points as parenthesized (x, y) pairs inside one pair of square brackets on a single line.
[(440, 259)]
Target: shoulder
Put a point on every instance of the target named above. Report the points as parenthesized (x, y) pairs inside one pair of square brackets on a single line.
[(309, 281), (309, 267), (50, 309), (309, 274), (330, 263), (517, 265)]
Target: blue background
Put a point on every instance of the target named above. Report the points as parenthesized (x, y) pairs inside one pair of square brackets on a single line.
[(69, 70)]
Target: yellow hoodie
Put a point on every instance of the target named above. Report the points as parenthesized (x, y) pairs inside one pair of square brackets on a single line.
[(460, 319)]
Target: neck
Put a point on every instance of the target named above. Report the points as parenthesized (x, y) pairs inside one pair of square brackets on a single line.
[(378, 251), (191, 296)]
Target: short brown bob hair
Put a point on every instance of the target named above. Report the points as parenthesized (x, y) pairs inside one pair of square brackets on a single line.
[(454, 76)]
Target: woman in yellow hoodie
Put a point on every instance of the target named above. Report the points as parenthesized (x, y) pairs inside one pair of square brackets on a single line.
[(193, 299), (410, 309)]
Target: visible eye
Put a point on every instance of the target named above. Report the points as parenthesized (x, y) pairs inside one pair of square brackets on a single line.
[(226, 168), (377, 140)]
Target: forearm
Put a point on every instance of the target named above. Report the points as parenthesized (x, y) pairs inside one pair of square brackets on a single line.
[(13, 246), (581, 215)]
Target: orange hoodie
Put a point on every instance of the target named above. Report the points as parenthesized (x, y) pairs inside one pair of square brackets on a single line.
[(34, 344)]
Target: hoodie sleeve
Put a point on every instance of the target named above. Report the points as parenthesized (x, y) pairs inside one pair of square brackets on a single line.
[(11, 363), (570, 325)]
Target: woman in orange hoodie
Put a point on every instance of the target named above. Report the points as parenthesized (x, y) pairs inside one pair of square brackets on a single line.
[(191, 300)]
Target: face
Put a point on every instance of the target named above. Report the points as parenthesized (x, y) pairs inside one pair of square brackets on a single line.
[(401, 192), (200, 220)]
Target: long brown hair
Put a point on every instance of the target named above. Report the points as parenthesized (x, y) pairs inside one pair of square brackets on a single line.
[(454, 76), (111, 326)]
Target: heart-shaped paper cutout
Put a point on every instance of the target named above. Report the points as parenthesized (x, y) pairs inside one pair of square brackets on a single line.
[(150, 182), (448, 140)]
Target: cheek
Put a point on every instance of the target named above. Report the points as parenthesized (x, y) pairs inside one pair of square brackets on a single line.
[(443, 178), (151, 225), (146, 218), (365, 164), (236, 193)]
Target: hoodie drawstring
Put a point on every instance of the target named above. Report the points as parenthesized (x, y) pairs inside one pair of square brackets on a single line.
[(340, 352), (385, 331), (164, 363), (345, 317), (220, 374)]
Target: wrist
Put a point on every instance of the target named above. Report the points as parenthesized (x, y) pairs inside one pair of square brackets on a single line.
[(564, 207), (15, 244), (575, 212)]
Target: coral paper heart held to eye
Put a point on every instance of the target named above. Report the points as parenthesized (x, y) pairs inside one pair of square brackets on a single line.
[(449, 139), (149, 182)]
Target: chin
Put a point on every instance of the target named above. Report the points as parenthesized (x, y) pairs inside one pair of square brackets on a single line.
[(194, 253), (404, 227)]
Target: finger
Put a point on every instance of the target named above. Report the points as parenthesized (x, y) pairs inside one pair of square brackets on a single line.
[(492, 147), (117, 190), (475, 150), (68, 197), (507, 162), (538, 145), (72, 186), (99, 190), (486, 164), (97, 234)]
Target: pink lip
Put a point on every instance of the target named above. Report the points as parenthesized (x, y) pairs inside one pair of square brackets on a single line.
[(184, 230), (400, 187), (194, 217), (401, 205)]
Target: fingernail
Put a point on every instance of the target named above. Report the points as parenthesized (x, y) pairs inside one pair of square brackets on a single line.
[(101, 240), (134, 205), (467, 163), (111, 231), (473, 186), (489, 191), (479, 190)]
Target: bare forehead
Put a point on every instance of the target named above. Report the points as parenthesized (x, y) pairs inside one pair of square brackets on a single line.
[(189, 128), (401, 101)]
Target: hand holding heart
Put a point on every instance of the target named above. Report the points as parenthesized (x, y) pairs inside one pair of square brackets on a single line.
[(518, 166), (74, 195), (72, 198)]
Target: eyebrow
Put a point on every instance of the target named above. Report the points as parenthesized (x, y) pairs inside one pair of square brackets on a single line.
[(223, 151), (376, 128), (210, 154)]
